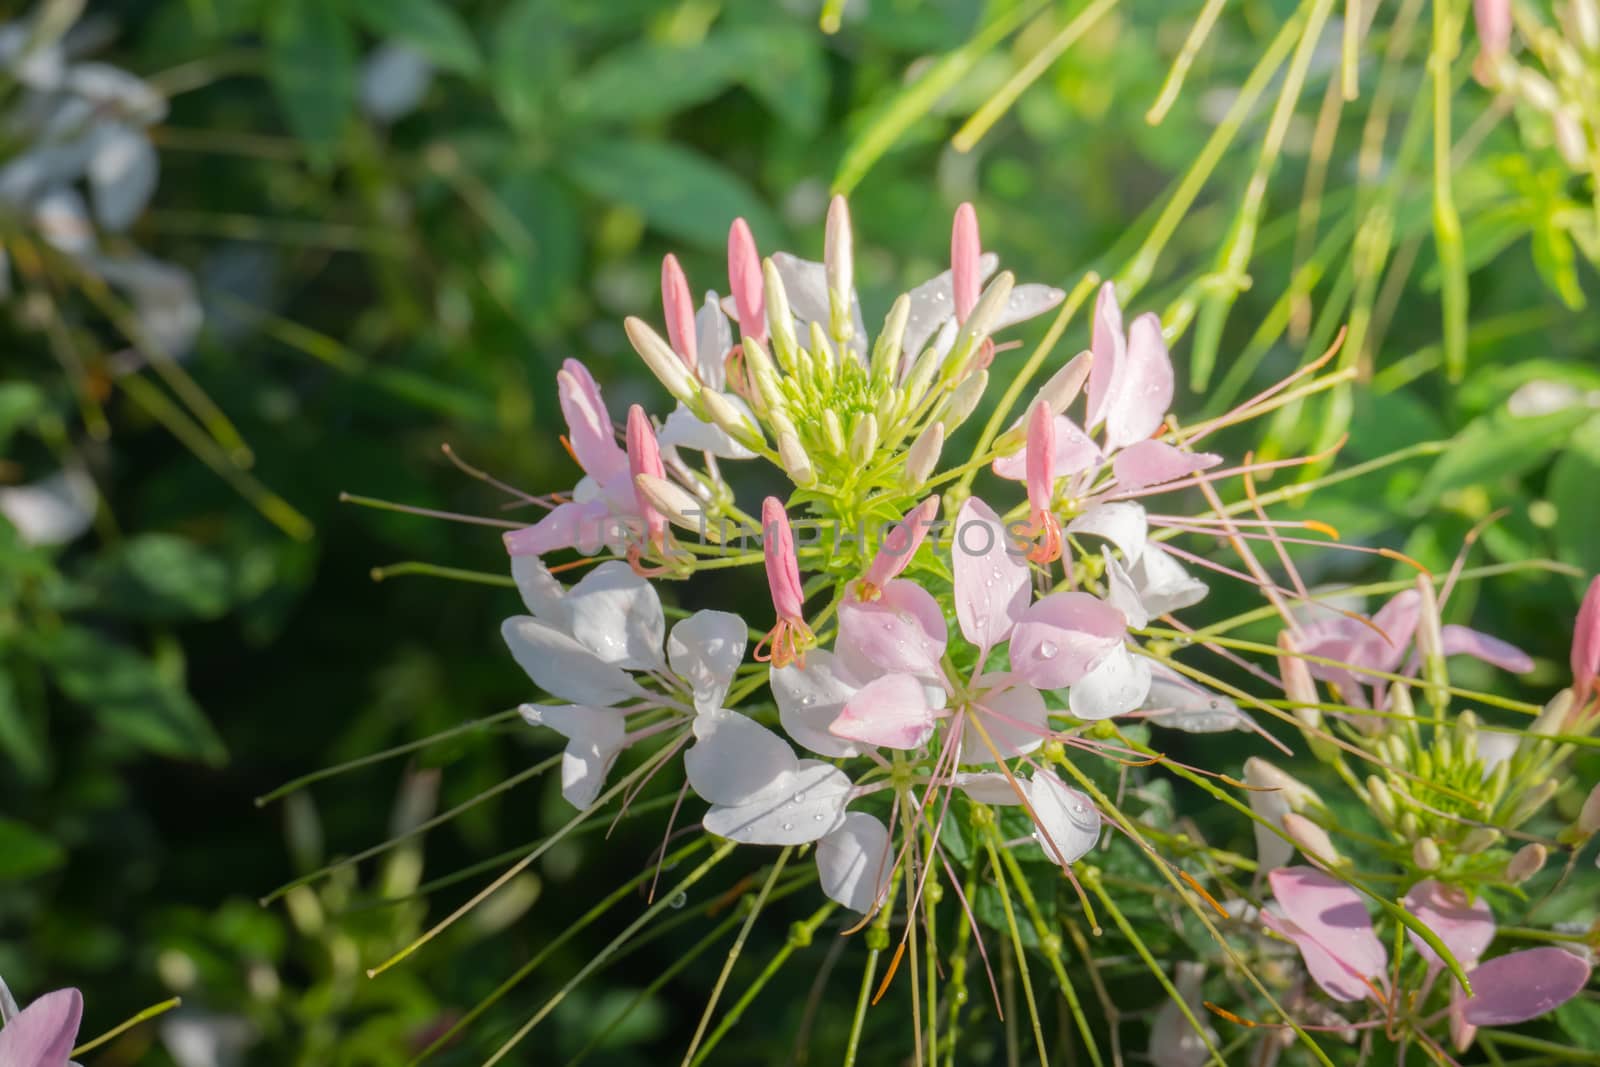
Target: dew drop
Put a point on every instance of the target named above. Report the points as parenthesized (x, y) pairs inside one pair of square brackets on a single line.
[(788, 826), (818, 817), (1048, 650), (799, 798), (678, 901), (807, 700)]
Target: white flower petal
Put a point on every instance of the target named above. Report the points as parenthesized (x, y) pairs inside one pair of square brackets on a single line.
[(1121, 522), (1122, 593), (991, 576), (1179, 704), (1014, 717), (541, 592), (1026, 302), (394, 80), (933, 304), (1269, 802), (561, 666), (617, 615), (735, 759), (1164, 585), (1114, 686), (811, 697), (1067, 824), (854, 862), (713, 338), (805, 282), (122, 174), (991, 787), (594, 737), (684, 430), (802, 805), (705, 650), (53, 510)]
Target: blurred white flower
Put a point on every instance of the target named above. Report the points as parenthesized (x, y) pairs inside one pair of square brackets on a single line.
[(394, 79), (53, 510)]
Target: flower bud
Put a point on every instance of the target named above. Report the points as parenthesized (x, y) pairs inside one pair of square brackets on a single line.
[(677, 504), (662, 360), (822, 358), (1527, 862), (1478, 839), (965, 398), (923, 456), (864, 439), (730, 420), (886, 358), (1312, 840), (1425, 854), (1553, 717), (1534, 799), (1380, 798), (1065, 384), (1589, 815), (1582, 23), (796, 464), (764, 374), (921, 376), (839, 266), (1298, 685), (1586, 645), (833, 429), (780, 320), (979, 324)]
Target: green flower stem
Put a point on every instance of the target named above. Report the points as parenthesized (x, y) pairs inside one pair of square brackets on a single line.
[(733, 956), (1016, 942), (1446, 220), (144, 1016), (1091, 878), (1198, 909), (1185, 59), (434, 570), (297, 784), (600, 958)]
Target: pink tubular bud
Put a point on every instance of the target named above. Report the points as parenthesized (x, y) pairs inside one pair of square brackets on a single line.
[(1586, 646), (1041, 464), (965, 251), (679, 306), (644, 457), (900, 543), (744, 281), (783, 567)]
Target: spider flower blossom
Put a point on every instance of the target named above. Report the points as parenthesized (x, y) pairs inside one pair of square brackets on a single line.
[(42, 1034), (1327, 921)]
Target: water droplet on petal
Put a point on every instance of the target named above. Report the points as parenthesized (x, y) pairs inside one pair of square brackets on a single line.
[(799, 798), (788, 826), (818, 816), (807, 700), (1048, 650)]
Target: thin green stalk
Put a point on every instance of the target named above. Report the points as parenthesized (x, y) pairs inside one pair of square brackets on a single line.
[(1016, 941), (1446, 219), (611, 947), (1185, 59)]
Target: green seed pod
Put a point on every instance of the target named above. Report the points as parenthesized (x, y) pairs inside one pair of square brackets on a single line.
[(1425, 854)]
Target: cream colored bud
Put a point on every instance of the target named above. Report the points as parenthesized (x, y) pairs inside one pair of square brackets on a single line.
[(780, 320), (796, 464), (1262, 775), (923, 456), (978, 325), (1528, 861), (1589, 815), (1534, 799), (965, 398), (1425, 854), (1553, 718), (1478, 839), (886, 358), (781, 424), (921, 376), (834, 431), (839, 266), (677, 504), (764, 374), (1582, 23), (1381, 799), (864, 439), (730, 420), (662, 360), (1065, 384), (1298, 685), (1467, 735), (1312, 840)]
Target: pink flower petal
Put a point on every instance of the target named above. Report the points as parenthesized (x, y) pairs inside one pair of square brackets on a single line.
[(1014, 717), (991, 575), (1041, 456), (1586, 645), (679, 307), (571, 525), (783, 568), (964, 253), (589, 429), (744, 280), (1142, 390), (1331, 916), (1059, 639), (903, 630), (1109, 345), (901, 541), (1332, 975), (1523, 985), (892, 712), (1466, 927), (1464, 641), (43, 1033), (644, 457), (1151, 462)]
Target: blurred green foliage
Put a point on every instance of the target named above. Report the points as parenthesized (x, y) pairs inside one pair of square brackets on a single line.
[(373, 287)]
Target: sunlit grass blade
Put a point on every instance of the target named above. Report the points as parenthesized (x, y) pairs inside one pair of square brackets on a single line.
[(1185, 59)]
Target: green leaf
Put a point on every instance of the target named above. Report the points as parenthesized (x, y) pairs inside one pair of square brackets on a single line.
[(160, 576), (1580, 1018), (543, 267), (529, 59), (25, 852), (784, 68), (21, 404), (129, 696), (1496, 448), (429, 26), (1572, 489), (19, 737), (311, 65), (652, 79), (682, 194)]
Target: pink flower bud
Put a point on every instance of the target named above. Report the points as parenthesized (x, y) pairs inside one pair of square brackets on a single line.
[(744, 281), (1586, 646), (644, 457), (679, 306), (783, 567), (900, 543), (964, 254)]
